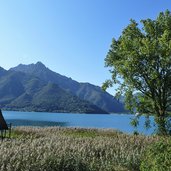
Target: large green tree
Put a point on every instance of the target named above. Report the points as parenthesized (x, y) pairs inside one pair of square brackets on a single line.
[(140, 63)]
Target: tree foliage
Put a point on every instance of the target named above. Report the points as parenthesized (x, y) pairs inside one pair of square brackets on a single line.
[(140, 62), (157, 156)]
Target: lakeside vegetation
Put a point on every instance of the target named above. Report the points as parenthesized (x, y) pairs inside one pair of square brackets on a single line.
[(140, 64), (73, 149)]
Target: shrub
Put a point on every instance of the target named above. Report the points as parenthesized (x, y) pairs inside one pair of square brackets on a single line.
[(157, 157)]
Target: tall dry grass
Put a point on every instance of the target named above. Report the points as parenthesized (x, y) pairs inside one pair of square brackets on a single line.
[(72, 149)]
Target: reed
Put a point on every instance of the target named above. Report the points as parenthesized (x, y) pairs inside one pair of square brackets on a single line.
[(72, 149)]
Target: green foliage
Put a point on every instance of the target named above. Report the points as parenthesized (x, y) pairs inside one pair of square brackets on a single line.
[(157, 157), (135, 122), (93, 133), (140, 62)]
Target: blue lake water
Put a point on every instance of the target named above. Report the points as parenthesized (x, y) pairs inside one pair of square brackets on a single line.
[(115, 121)]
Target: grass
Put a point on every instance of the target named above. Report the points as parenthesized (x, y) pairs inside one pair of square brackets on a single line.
[(72, 149), (93, 133)]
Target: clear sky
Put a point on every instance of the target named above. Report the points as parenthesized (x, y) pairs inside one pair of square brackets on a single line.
[(71, 37)]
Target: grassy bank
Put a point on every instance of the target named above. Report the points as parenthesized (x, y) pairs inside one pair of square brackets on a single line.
[(69, 149)]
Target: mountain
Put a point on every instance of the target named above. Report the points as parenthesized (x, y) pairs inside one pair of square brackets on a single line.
[(84, 91), (21, 91)]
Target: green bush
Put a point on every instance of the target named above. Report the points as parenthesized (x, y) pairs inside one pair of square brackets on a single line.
[(157, 157)]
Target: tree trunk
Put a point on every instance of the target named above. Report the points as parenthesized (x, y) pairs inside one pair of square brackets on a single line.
[(161, 125)]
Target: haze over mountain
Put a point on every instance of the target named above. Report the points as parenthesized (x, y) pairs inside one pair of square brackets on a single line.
[(21, 91), (85, 91)]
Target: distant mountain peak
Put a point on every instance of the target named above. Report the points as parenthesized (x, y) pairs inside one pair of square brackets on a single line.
[(30, 68), (2, 69), (40, 64), (84, 91)]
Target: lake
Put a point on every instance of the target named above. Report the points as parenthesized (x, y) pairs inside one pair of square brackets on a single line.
[(113, 121)]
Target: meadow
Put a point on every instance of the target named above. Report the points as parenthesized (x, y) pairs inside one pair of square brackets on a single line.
[(72, 149)]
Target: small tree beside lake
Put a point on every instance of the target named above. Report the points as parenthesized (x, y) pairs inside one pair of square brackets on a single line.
[(140, 63)]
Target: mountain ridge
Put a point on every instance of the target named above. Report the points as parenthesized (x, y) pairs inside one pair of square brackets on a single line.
[(85, 91), (25, 92)]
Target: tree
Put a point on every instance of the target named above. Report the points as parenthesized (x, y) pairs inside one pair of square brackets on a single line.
[(140, 63)]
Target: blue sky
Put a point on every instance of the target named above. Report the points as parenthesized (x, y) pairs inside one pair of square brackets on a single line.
[(71, 37)]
